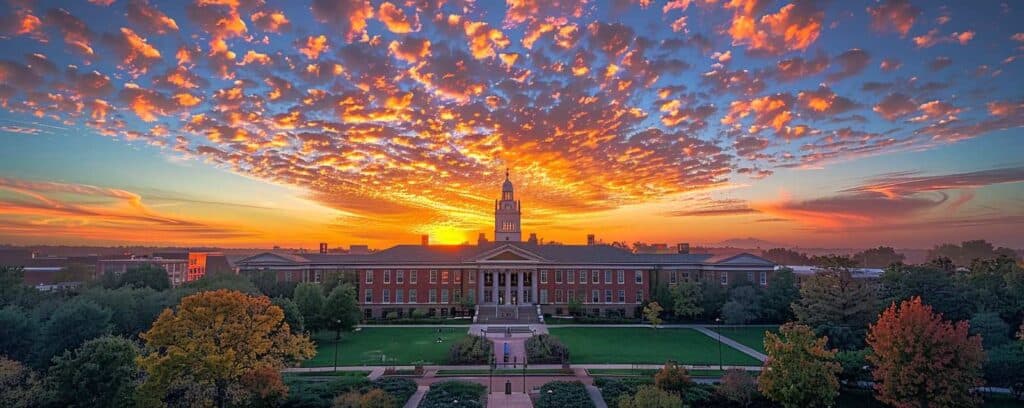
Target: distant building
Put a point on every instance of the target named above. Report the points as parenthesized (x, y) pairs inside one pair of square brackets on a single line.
[(508, 274), (803, 271), (201, 263), (177, 268)]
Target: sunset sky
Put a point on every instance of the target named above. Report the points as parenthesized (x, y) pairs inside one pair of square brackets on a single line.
[(243, 123)]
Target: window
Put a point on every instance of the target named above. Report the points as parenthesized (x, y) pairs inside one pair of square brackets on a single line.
[(638, 277), (458, 276), (433, 276), (595, 296), (544, 276), (543, 296), (673, 277), (622, 296), (387, 276), (368, 296), (570, 276), (572, 295), (444, 295), (400, 277), (583, 276), (444, 276), (750, 277), (558, 276), (620, 277), (764, 278), (412, 295), (472, 277), (723, 278), (607, 296), (457, 295), (595, 276), (607, 276), (686, 276), (433, 295), (639, 296), (471, 294), (558, 296), (398, 296), (412, 277), (386, 296), (318, 276)]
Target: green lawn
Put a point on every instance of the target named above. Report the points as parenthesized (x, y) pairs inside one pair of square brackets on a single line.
[(619, 345), (510, 371), (386, 346), (752, 337), (625, 372)]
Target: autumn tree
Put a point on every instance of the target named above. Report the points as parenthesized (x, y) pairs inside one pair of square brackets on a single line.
[(687, 299), (220, 347), (19, 386), (673, 378), (650, 397), (737, 386), (837, 306), (921, 360), (653, 313), (800, 371)]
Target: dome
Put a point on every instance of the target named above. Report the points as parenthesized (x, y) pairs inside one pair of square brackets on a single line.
[(507, 185)]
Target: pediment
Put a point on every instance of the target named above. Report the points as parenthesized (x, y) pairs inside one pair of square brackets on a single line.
[(508, 253), (507, 256), (744, 259), (269, 258)]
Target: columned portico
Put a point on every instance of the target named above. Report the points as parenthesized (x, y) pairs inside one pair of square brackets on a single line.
[(508, 286)]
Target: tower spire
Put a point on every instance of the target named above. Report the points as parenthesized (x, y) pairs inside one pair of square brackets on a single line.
[(506, 174)]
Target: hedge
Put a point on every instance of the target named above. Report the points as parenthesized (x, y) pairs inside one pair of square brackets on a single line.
[(455, 394), (564, 394), (545, 349), (470, 350)]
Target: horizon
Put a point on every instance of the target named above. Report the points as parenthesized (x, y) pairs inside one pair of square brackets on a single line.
[(239, 124)]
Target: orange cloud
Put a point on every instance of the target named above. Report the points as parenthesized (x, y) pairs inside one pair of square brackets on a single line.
[(794, 27), (313, 46), (395, 20), (896, 15), (483, 39), (272, 21)]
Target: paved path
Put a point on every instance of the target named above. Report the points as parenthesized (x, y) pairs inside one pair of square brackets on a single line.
[(414, 400), (513, 400), (732, 343), (376, 373), (595, 396), (537, 366)]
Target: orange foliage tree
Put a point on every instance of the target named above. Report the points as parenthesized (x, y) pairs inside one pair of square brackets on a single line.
[(220, 347), (799, 372), (921, 360)]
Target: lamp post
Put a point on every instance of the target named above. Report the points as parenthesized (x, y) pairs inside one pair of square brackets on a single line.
[(718, 323), (337, 337)]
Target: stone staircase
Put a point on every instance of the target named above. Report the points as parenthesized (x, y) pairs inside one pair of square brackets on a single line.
[(488, 314)]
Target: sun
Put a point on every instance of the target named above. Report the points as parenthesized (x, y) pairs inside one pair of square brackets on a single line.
[(447, 235)]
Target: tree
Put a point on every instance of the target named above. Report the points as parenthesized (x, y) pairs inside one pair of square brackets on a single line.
[(75, 272), (374, 398), (993, 330), (70, 326), (838, 306), (133, 310), (12, 283), (880, 257), (686, 300), (743, 306), (267, 283), (292, 314), (782, 291), (783, 256), (662, 295), (310, 300), (995, 285), (650, 397), (19, 386), (921, 360), (575, 306), (969, 251), (800, 371), (101, 373), (17, 333), (935, 286), (219, 347), (653, 313), (145, 276), (341, 310), (220, 280), (713, 297), (673, 378), (738, 387)]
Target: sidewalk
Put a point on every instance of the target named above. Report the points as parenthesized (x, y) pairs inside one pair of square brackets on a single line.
[(731, 343)]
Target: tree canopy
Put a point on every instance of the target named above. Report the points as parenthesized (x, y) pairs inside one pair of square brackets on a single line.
[(341, 310), (145, 276), (101, 373), (800, 371), (309, 299), (686, 300), (71, 325), (838, 306)]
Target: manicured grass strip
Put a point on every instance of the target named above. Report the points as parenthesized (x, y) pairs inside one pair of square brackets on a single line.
[(622, 345), (329, 374), (509, 371), (386, 346), (625, 372), (752, 337)]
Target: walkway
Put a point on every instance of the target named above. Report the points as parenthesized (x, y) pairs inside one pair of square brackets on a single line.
[(414, 400), (513, 400), (595, 396), (537, 366), (732, 343)]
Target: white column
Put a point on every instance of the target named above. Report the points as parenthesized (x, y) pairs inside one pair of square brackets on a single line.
[(479, 296), (494, 287), (533, 287), (519, 289), (508, 286)]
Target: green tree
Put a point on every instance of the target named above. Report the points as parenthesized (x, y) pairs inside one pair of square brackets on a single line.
[(993, 330), (995, 285), (17, 333), (292, 314), (75, 272), (686, 300), (935, 286), (653, 313), (838, 306), (880, 257), (218, 281), (662, 295), (19, 386), (310, 300), (783, 256), (70, 326), (101, 373), (744, 305), (575, 306), (341, 310), (713, 297), (800, 371), (219, 348), (650, 397), (268, 285), (133, 310), (782, 291), (970, 251), (145, 276), (12, 283)]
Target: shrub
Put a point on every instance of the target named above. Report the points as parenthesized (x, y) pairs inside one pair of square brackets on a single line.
[(738, 387), (401, 389), (454, 394), (470, 350), (673, 378), (650, 397), (545, 349), (853, 364), (1005, 365), (374, 398), (614, 388), (309, 394), (564, 394)]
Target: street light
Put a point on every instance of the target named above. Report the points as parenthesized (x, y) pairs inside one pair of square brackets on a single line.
[(719, 331), (337, 337)]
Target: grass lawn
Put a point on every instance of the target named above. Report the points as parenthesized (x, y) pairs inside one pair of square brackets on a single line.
[(329, 373), (510, 371), (623, 345), (752, 337), (386, 346), (625, 372)]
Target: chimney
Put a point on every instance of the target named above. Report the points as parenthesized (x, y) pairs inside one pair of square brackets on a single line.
[(481, 239), (323, 247), (590, 239), (533, 238), (424, 239), (683, 247)]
